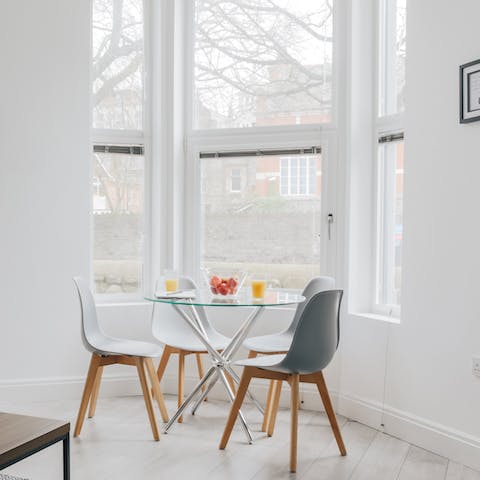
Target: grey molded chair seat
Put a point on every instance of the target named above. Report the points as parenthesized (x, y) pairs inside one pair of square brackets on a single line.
[(314, 343), (107, 350), (179, 338), (280, 342)]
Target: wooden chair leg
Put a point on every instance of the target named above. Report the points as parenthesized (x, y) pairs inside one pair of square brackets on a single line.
[(181, 381), (94, 396), (87, 391), (140, 362), (200, 370), (327, 403), (237, 403), (162, 365), (231, 382), (163, 362), (294, 421), (277, 390), (268, 406), (156, 388)]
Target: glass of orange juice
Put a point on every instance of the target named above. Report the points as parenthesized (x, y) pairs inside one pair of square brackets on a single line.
[(171, 281), (259, 284)]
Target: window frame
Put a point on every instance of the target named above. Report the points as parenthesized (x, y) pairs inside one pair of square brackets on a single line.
[(129, 137), (191, 132), (266, 137), (384, 125), (193, 247)]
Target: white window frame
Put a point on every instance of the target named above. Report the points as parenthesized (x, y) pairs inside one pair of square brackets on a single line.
[(265, 137), (383, 125), (193, 247), (131, 137)]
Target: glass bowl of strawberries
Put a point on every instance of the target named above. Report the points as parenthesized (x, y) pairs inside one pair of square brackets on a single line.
[(224, 283)]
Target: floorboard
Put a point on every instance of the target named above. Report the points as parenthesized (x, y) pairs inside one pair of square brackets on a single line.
[(456, 471), (117, 445), (423, 465), (383, 459)]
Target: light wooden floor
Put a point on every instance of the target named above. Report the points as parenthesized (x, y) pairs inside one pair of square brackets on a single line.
[(117, 445)]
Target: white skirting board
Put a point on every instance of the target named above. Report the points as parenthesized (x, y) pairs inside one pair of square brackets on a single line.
[(441, 439)]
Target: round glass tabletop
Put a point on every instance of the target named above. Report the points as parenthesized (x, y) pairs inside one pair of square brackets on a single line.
[(204, 298)]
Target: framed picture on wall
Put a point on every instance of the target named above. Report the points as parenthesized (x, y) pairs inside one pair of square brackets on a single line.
[(470, 92)]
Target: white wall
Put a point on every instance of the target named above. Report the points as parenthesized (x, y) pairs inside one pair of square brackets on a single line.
[(44, 178), (431, 398)]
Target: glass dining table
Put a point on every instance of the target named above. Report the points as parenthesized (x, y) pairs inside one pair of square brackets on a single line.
[(221, 361)]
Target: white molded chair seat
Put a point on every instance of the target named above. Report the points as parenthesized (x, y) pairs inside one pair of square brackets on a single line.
[(190, 344), (277, 342), (134, 348), (280, 342), (265, 361)]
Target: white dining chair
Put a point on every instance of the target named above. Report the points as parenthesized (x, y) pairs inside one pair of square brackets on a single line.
[(178, 337), (280, 343), (107, 350)]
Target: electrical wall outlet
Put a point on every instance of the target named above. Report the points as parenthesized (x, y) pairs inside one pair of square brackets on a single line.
[(476, 365)]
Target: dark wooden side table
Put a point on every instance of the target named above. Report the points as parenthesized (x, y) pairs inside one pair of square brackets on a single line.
[(22, 436)]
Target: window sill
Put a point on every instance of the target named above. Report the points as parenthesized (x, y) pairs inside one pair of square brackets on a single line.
[(376, 316)]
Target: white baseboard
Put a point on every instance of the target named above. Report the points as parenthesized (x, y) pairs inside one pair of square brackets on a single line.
[(435, 437), (64, 388), (441, 439)]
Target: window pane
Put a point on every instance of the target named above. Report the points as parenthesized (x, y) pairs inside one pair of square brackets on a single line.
[(117, 71), (260, 230), (392, 56), (390, 224), (262, 62), (118, 209), (236, 180), (298, 176)]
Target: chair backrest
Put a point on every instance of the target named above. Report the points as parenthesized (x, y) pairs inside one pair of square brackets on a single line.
[(171, 322), (92, 334), (315, 285), (317, 335)]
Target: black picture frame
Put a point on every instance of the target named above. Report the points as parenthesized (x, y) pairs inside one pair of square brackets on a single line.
[(470, 92)]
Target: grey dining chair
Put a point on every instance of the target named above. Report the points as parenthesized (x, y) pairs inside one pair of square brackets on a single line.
[(179, 338), (280, 343), (314, 343), (107, 350)]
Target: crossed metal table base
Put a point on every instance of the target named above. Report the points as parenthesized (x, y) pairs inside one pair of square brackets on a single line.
[(221, 364)]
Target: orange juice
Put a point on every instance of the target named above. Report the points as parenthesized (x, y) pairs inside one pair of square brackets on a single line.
[(258, 288), (171, 284)]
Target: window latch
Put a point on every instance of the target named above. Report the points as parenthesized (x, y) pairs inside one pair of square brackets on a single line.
[(329, 223)]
